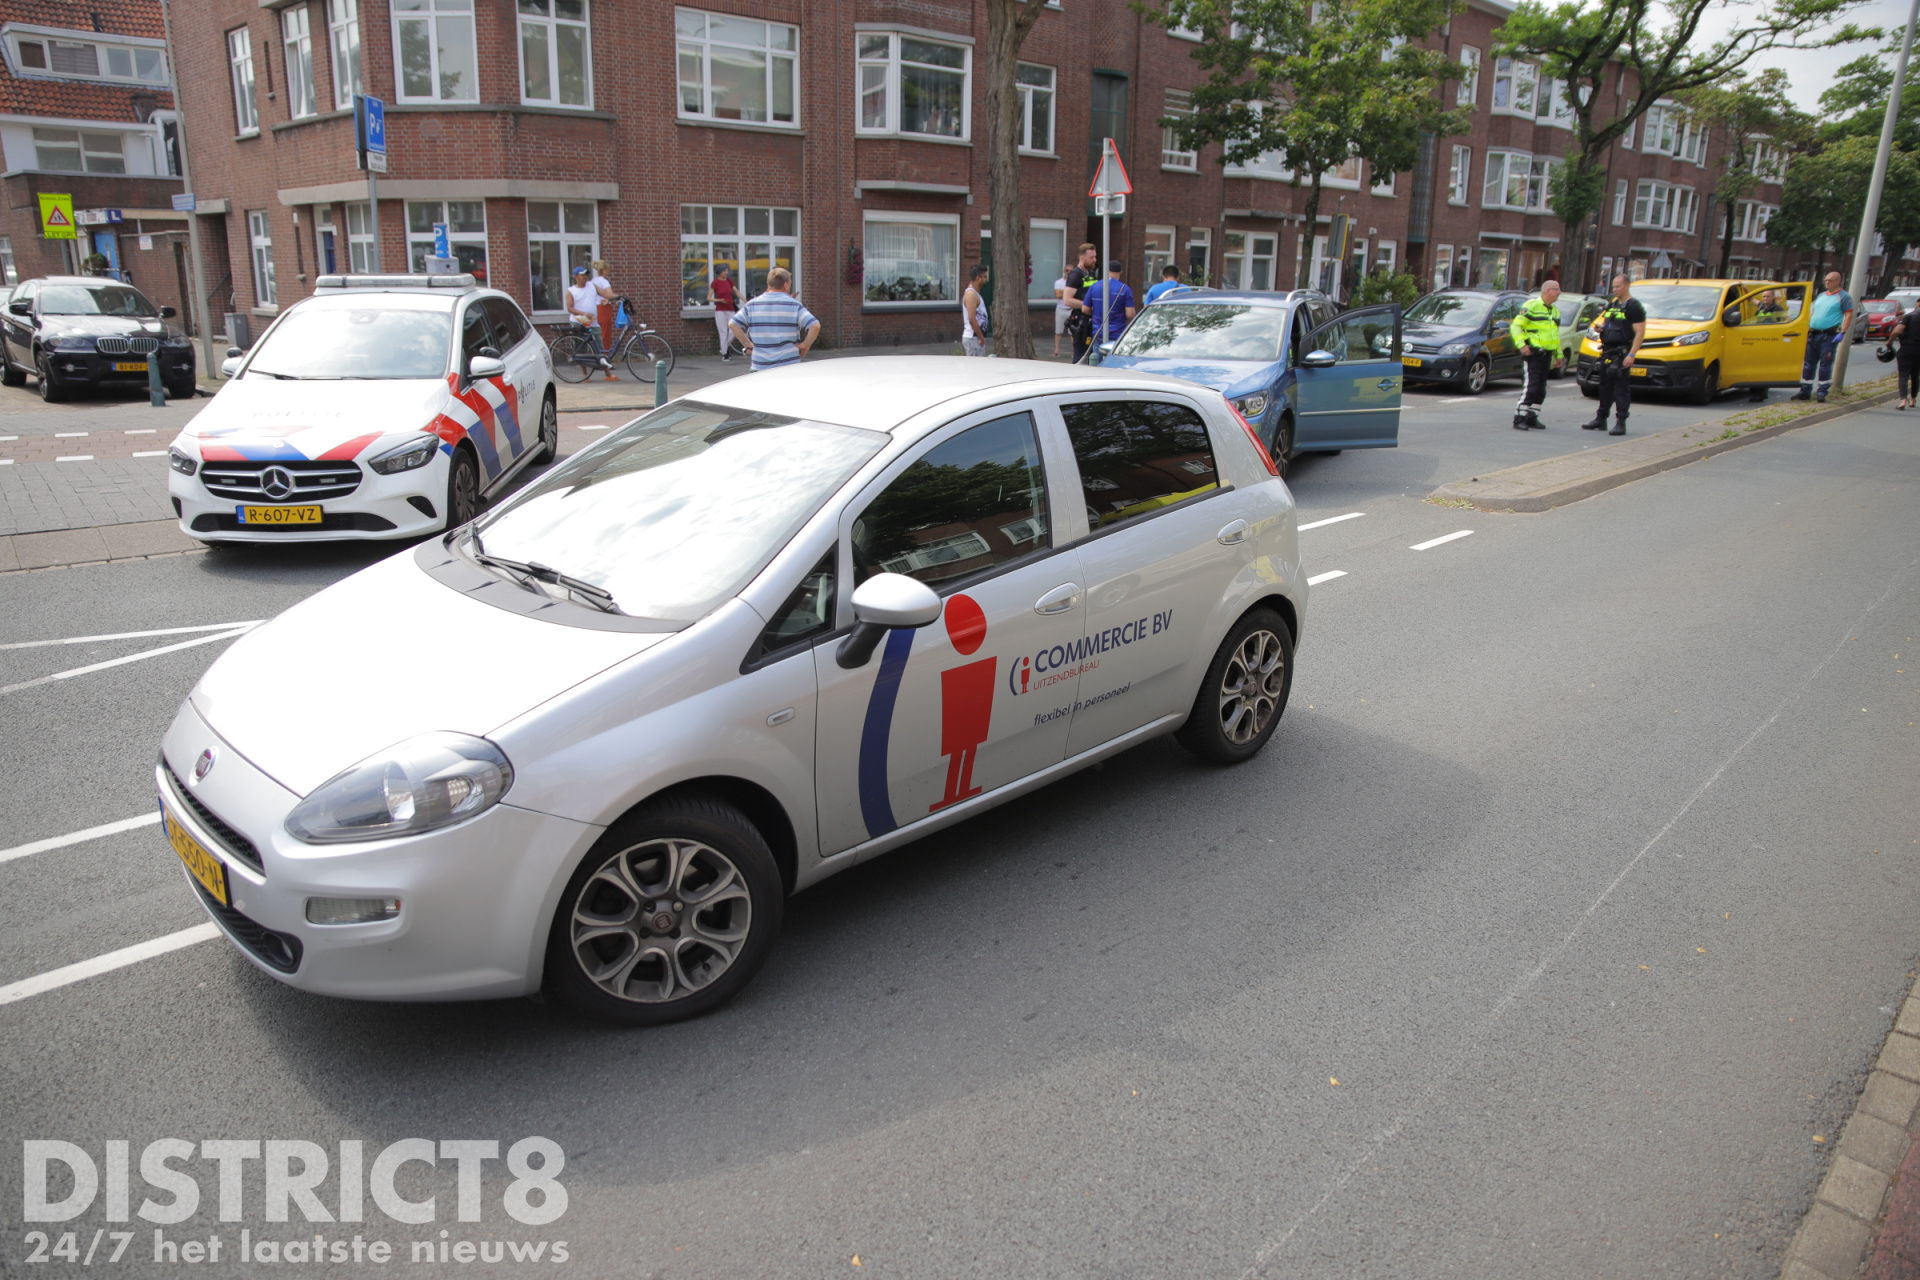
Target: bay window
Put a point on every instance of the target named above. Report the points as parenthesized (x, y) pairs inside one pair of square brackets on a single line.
[(554, 61), (1515, 180), (79, 151), (737, 69), (747, 240), (561, 235), (434, 54), (466, 223), (911, 85), (1665, 206), (911, 257)]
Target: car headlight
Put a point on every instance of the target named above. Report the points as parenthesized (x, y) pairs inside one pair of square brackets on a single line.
[(181, 462), (1251, 407), (178, 341), (1692, 339), (414, 453), (71, 343), (1455, 349), (434, 780)]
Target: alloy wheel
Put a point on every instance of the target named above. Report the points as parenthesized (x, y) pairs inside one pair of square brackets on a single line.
[(1251, 686), (660, 920)]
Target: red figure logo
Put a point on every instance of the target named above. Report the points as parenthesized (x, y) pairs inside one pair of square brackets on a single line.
[(966, 700)]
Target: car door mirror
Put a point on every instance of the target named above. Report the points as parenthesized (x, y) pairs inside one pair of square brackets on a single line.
[(21, 307), (1731, 317), (168, 313), (881, 603), (486, 366), (1319, 360), (234, 353)]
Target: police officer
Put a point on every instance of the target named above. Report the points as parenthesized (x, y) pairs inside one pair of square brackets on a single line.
[(1536, 331), (1623, 327)]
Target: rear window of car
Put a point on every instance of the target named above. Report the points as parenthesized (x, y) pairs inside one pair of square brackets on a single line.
[(1137, 456)]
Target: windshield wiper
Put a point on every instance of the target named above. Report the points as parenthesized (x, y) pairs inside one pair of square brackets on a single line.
[(529, 572)]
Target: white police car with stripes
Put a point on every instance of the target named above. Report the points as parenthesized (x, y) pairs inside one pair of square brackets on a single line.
[(380, 407), (593, 740)]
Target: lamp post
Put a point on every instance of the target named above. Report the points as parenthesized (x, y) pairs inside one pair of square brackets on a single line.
[(1863, 247)]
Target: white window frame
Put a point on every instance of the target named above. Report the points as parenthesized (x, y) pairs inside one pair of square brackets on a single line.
[(128, 51), (1442, 274), (1177, 103), (1469, 88), (740, 238), (1665, 206), (1040, 288), (552, 24), (873, 216), (246, 101), (1156, 257), (1029, 144), (1200, 238), (266, 291), (1533, 172), (700, 47), (1345, 177), (1620, 203), (1460, 176), (890, 86), (417, 239), (432, 13), (88, 147), (1386, 256), (360, 239), (1248, 255), (343, 45), (570, 247), (1380, 188), (296, 48)]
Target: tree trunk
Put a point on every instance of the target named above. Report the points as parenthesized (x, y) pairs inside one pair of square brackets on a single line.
[(1008, 22), (1303, 279), (1573, 260), (1895, 252)]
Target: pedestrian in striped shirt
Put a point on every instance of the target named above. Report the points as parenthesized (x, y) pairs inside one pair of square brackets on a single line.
[(774, 327)]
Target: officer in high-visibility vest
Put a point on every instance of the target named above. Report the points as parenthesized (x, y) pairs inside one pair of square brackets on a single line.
[(1536, 332), (1620, 329)]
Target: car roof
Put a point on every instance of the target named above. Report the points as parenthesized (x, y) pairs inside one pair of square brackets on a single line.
[(77, 280), (883, 393), (1188, 293)]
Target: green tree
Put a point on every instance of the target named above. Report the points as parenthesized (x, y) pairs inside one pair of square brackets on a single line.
[(1315, 83), (1008, 23), (1826, 193), (1856, 103), (1738, 111), (1585, 44)]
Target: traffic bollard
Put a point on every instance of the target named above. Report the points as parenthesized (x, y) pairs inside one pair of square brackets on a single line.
[(155, 393), (659, 385)]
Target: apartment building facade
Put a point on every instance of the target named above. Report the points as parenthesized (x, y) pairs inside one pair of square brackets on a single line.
[(86, 112)]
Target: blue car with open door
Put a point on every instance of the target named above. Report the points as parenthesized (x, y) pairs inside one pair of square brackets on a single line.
[(1309, 377)]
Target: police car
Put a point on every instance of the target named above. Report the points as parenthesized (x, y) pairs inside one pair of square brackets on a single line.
[(379, 407), (592, 740)]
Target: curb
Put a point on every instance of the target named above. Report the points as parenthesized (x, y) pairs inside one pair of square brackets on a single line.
[(1560, 495), (60, 548), (1871, 1182)]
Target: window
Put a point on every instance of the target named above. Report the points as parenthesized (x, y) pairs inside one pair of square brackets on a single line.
[(1442, 266), (84, 59), (1174, 154), (970, 503), (561, 235), (1137, 456), (74, 151), (1664, 206), (466, 222), (434, 51), (1047, 247), (911, 258), (260, 234), (296, 38), (1359, 337), (1384, 254), (360, 239), (911, 85), (1469, 90), (246, 115), (1357, 261), (343, 26), (1381, 186), (508, 322), (1199, 252), (1459, 175), (1159, 254), (807, 613), (553, 53), (737, 69), (1268, 164), (1620, 203), (9, 274), (1035, 86), (1769, 162), (1515, 180), (1249, 261), (1516, 87), (748, 241), (1491, 272), (1751, 218)]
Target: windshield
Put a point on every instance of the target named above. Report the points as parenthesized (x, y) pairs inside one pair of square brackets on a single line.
[(1205, 331), (360, 342), (1569, 309), (1882, 308), (1678, 301), (1454, 310), (93, 300), (675, 512)]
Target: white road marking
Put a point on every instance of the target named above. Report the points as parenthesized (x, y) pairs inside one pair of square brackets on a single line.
[(1459, 399), (1351, 515), (151, 453), (597, 426), (70, 974), (79, 837), (6, 462), (67, 435), (1434, 542), (1328, 576), (9, 437), (145, 431), (116, 662), (130, 635), (76, 457)]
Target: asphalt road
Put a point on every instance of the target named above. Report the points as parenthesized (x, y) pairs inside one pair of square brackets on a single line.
[(1569, 904)]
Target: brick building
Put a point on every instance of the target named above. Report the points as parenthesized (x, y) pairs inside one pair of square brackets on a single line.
[(85, 111), (842, 139)]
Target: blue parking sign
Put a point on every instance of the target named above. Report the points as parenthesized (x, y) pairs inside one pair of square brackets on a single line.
[(372, 120)]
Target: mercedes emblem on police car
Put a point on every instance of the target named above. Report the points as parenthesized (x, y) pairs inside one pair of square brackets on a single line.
[(204, 765), (276, 482)]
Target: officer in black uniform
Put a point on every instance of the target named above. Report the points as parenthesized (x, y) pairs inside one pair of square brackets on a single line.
[(1623, 327), (1083, 275)]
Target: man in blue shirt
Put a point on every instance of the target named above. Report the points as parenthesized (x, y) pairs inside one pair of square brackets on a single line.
[(1112, 300), (1169, 281), (1827, 322), (775, 328)]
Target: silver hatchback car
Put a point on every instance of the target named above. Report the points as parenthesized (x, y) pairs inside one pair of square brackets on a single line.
[(591, 741)]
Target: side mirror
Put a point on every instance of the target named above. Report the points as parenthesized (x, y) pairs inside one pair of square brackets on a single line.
[(1731, 317), (486, 366), (1320, 360), (234, 353), (21, 306), (230, 366), (168, 313), (881, 603)]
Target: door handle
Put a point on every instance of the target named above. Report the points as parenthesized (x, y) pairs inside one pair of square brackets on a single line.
[(1235, 531), (1388, 384), (1059, 600)]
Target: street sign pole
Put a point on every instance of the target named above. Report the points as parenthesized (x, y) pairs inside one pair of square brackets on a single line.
[(1109, 191), (1870, 216), (200, 313), (370, 129)]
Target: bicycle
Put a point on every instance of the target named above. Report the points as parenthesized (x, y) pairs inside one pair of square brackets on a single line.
[(576, 356)]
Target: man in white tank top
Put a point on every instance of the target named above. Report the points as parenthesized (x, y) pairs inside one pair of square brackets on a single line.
[(973, 314)]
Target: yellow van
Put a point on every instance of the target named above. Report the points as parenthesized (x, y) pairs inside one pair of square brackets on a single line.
[(1709, 336)]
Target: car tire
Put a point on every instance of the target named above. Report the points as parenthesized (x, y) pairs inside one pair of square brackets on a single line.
[(1282, 450), (9, 375), (548, 448), (1477, 376), (617, 951), (463, 489), (50, 391), (1709, 386), (1244, 692), (181, 390)]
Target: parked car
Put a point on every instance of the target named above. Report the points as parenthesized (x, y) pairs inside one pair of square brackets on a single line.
[(1876, 319), (75, 332), (1708, 336), (1459, 338), (1308, 377), (1577, 312)]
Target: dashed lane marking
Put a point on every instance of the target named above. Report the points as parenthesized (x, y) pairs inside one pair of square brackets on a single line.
[(145, 431), (1319, 524), (1430, 543), (54, 979), (150, 453), (76, 457), (79, 837), (117, 662), (1328, 576), (131, 635), (68, 435)]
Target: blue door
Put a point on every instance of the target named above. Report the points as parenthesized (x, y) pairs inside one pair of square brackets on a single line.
[(1354, 403)]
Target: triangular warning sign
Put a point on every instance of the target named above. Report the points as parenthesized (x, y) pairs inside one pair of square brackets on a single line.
[(1110, 179), (55, 218)]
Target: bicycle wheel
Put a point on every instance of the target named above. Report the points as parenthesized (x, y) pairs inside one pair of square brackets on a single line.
[(644, 351), (575, 357)]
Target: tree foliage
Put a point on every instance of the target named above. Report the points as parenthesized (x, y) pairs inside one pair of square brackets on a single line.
[(1737, 110), (1314, 84), (1826, 194)]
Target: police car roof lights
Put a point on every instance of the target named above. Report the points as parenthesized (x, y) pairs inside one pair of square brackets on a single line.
[(395, 282)]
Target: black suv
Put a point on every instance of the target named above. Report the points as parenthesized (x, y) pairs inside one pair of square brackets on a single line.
[(82, 331)]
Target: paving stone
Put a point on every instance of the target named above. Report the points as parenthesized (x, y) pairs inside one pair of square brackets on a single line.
[(147, 538), (1890, 1098), (1855, 1187), (1901, 1056), (1831, 1242), (1874, 1142), (1909, 1020), (1798, 1270), (66, 546)]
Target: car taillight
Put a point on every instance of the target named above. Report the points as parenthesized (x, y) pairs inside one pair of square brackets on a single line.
[(1254, 436)]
